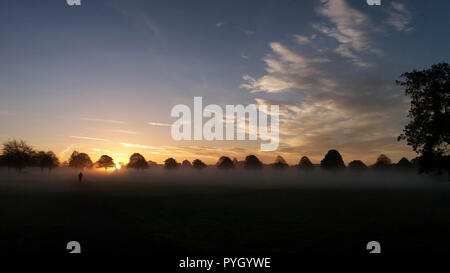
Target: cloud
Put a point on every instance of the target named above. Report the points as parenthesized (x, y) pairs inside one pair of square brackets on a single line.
[(349, 27), (89, 138), (302, 40), (399, 17), (285, 70), (159, 124), (220, 24)]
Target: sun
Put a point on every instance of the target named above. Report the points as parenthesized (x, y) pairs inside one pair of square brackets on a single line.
[(118, 166)]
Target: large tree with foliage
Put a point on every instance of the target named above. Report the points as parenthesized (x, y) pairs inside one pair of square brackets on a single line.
[(18, 154), (80, 160), (46, 160), (428, 131), (137, 161), (105, 161), (332, 161)]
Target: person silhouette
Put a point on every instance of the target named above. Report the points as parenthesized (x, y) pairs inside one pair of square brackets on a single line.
[(80, 176)]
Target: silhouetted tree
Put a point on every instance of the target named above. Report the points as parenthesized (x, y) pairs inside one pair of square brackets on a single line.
[(18, 154), (404, 165), (305, 164), (332, 161), (46, 160), (252, 162), (80, 160), (235, 161), (280, 163), (430, 162), (106, 162), (429, 128), (152, 164), (137, 161), (225, 163), (357, 165), (186, 164), (198, 164), (383, 162), (171, 164)]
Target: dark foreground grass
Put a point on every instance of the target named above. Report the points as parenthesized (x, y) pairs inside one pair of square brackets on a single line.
[(203, 219)]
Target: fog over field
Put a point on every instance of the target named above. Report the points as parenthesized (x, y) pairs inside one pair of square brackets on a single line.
[(64, 178)]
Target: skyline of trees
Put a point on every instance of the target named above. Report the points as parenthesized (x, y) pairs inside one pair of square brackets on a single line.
[(18, 155)]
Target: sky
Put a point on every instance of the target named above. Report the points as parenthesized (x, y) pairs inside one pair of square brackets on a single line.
[(102, 77)]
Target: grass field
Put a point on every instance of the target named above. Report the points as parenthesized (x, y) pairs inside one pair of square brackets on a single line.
[(216, 212)]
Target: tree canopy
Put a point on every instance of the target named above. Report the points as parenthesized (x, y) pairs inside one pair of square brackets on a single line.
[(198, 164), (280, 163), (106, 162), (137, 161), (332, 161), (357, 165), (80, 160), (252, 162), (171, 164), (429, 127), (18, 154), (305, 164), (46, 160), (225, 163)]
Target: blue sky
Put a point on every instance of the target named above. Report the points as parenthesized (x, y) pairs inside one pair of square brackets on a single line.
[(94, 76)]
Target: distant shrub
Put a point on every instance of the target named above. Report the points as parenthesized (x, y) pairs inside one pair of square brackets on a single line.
[(357, 165), (280, 163), (171, 164), (186, 164), (198, 164), (404, 165), (225, 163), (305, 164), (252, 162), (152, 164), (383, 162)]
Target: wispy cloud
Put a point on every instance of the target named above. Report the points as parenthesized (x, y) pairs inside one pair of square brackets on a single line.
[(68, 148), (302, 40), (103, 120), (349, 27), (220, 24), (89, 138), (285, 70), (399, 17), (159, 124)]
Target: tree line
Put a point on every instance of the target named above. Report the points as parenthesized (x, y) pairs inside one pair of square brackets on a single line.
[(19, 155)]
